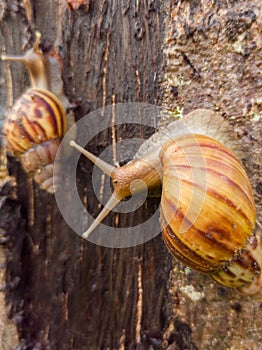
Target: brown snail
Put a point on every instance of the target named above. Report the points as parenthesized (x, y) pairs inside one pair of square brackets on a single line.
[(207, 207), (37, 121)]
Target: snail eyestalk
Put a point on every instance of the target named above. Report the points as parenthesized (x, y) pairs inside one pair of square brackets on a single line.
[(110, 205), (36, 64), (105, 167), (120, 180)]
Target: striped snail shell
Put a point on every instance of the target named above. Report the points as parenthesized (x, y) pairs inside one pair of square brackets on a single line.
[(37, 121), (205, 223), (207, 207)]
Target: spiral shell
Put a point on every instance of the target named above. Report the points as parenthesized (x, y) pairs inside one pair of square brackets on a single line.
[(34, 129), (244, 271), (207, 208)]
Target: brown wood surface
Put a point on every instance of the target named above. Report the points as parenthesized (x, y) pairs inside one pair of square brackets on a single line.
[(62, 292)]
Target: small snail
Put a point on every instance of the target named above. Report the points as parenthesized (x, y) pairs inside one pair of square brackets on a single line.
[(37, 122), (207, 207)]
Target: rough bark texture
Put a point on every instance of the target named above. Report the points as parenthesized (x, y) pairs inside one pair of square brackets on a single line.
[(213, 52), (62, 292)]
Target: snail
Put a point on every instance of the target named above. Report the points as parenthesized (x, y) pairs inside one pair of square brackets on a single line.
[(37, 122), (208, 217)]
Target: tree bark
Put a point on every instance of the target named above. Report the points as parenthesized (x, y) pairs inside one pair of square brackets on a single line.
[(63, 292)]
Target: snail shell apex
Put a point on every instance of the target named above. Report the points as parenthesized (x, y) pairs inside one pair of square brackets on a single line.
[(244, 271)]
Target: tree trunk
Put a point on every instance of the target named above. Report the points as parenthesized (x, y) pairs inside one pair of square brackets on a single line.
[(60, 291)]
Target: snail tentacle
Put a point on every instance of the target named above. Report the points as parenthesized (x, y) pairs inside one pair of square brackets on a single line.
[(110, 205), (105, 167)]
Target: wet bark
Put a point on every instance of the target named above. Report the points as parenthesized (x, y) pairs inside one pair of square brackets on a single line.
[(63, 292)]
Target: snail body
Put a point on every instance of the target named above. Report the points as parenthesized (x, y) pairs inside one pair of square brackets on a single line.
[(207, 207), (37, 122)]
